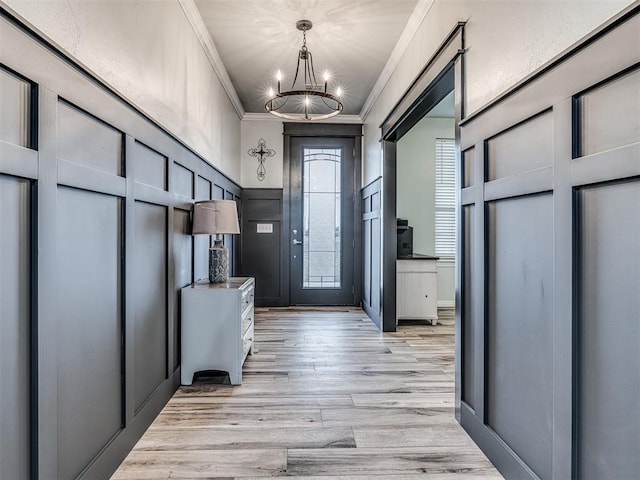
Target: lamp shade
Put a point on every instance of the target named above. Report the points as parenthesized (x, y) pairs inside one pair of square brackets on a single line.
[(215, 216)]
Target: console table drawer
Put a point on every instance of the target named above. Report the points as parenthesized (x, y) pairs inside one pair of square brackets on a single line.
[(247, 321)]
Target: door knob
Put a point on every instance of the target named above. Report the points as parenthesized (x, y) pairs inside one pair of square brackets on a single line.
[(296, 242)]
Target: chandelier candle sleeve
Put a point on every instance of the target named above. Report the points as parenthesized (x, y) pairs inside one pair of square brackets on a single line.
[(307, 99), (216, 217)]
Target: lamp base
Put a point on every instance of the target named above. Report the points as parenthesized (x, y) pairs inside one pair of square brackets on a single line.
[(218, 263)]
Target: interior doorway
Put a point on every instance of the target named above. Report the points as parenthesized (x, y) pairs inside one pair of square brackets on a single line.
[(439, 81), (426, 216)]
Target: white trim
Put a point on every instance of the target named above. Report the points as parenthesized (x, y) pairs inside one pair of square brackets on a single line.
[(197, 23), (267, 117), (446, 304), (447, 260), (415, 20)]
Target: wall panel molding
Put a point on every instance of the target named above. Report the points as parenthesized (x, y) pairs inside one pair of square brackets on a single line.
[(608, 332), (18, 161), (89, 321), (15, 326), (371, 197)]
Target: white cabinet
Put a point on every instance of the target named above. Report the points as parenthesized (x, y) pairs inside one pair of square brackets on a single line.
[(417, 288), (217, 328)]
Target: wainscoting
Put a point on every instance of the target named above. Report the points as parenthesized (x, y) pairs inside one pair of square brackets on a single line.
[(372, 250), (551, 266), (263, 253), (95, 245)]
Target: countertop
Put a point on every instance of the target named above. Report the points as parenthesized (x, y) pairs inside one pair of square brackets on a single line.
[(418, 256), (233, 282)]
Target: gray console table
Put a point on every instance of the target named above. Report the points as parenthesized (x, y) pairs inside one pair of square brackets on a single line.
[(217, 327)]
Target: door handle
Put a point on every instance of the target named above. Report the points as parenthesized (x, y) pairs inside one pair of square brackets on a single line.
[(296, 242)]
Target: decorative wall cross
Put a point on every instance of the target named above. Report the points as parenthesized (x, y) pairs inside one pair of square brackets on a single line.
[(260, 153)]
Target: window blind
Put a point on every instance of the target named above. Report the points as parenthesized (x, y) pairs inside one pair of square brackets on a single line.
[(445, 201)]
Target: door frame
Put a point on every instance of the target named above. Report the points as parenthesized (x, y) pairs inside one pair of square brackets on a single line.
[(322, 130), (444, 71)]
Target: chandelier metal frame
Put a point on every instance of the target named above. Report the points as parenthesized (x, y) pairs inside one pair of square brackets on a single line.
[(311, 88)]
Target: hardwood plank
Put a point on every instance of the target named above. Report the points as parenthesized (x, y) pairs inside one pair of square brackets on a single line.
[(267, 400), (379, 367), (442, 398), (447, 434), (358, 416), (246, 438), (360, 461), (182, 464), (234, 417)]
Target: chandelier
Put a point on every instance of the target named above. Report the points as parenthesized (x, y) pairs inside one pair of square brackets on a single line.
[(310, 99)]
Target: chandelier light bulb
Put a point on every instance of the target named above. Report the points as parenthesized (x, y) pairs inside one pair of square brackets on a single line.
[(279, 75), (271, 94), (306, 101), (339, 92), (326, 76)]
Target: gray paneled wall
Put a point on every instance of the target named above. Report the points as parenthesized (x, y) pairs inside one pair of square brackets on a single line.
[(550, 242), (15, 324), (89, 325), (262, 255), (620, 98), (181, 264), (151, 167), (609, 329), (372, 250), (201, 243), (95, 244), (15, 109), (519, 320), (522, 148), (150, 318), (88, 141), (469, 324)]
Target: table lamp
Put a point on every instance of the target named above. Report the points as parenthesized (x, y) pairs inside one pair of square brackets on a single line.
[(216, 217)]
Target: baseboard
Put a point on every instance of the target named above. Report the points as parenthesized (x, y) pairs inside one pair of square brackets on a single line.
[(108, 461), (373, 315), (496, 450), (270, 302)]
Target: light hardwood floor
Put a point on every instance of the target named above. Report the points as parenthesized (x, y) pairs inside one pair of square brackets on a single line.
[(325, 396)]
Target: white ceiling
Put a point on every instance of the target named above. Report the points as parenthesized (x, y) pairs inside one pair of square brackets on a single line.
[(352, 39)]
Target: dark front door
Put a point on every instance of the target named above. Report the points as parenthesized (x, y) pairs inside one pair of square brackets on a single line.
[(322, 224)]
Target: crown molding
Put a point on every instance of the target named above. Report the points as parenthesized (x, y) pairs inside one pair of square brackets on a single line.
[(415, 20), (267, 117), (192, 13)]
